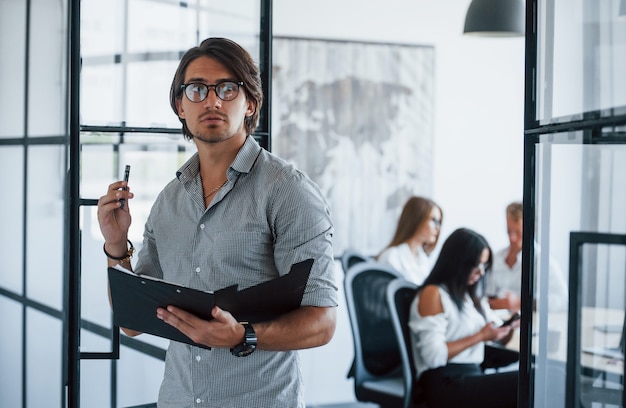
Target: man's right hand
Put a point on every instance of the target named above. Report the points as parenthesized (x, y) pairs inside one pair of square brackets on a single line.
[(115, 221)]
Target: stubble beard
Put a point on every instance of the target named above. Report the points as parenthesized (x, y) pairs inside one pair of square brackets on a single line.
[(212, 134), (213, 137)]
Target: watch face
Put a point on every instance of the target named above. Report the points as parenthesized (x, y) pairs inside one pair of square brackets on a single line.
[(244, 349)]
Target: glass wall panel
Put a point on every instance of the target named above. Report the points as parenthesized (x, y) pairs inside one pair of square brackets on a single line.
[(238, 21), (129, 51), (102, 28), (601, 330), (580, 188), (95, 307), (44, 361), (101, 101), (581, 57), (11, 354), (127, 79), (12, 75), (139, 377), (45, 224), (95, 375), (152, 35), (148, 94), (47, 70), (11, 218)]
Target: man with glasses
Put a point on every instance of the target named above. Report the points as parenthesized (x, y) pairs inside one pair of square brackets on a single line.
[(234, 214)]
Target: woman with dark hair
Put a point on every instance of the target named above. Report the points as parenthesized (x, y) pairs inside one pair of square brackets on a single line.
[(450, 321), (415, 238)]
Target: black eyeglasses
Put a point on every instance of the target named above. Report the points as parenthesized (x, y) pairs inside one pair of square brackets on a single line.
[(225, 90)]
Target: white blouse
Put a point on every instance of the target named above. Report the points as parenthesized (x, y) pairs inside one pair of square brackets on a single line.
[(401, 258), (430, 334)]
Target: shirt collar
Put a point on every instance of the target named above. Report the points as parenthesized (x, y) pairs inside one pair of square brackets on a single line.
[(243, 161), (247, 156)]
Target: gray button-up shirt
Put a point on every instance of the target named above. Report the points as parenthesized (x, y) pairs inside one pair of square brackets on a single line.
[(267, 217)]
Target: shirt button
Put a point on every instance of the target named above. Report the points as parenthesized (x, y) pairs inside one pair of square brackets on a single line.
[(198, 358), (198, 400), (201, 226), (197, 270)]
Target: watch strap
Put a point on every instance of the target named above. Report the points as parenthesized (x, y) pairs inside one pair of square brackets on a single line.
[(249, 342)]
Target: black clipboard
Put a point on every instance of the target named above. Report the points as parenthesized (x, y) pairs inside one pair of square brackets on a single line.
[(135, 299)]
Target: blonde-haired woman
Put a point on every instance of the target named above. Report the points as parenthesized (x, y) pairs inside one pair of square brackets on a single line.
[(415, 238)]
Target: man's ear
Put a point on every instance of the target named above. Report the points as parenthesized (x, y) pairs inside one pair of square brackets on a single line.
[(251, 109), (179, 108)]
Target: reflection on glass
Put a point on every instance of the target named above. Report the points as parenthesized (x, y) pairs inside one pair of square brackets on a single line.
[(13, 24), (95, 375), (47, 59), (127, 70), (44, 364), (45, 224), (602, 328), (11, 216), (580, 187), (11, 353), (581, 58)]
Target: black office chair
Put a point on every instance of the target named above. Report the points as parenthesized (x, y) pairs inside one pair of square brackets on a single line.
[(400, 295), (350, 257), (377, 364)]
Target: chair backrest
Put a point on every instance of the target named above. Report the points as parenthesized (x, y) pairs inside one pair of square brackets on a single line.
[(375, 346), (400, 295), (350, 257)]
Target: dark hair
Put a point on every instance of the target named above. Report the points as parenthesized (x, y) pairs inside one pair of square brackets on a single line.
[(235, 59), (459, 255), (416, 211)]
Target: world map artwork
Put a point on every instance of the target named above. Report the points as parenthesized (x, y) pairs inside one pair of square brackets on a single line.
[(358, 119)]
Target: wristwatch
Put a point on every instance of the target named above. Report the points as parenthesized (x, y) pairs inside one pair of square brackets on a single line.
[(249, 342)]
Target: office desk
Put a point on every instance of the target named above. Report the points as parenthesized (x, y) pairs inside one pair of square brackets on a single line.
[(598, 379), (555, 343)]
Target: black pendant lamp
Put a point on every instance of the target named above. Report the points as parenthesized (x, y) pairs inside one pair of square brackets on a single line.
[(495, 18)]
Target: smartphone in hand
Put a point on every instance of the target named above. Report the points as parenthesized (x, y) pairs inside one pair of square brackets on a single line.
[(515, 316)]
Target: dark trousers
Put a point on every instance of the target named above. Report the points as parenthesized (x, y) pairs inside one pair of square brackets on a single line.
[(465, 385)]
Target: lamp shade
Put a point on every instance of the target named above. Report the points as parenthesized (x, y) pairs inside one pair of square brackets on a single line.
[(495, 18)]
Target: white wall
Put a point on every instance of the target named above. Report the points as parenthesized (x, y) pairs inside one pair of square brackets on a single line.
[(478, 127), (479, 96)]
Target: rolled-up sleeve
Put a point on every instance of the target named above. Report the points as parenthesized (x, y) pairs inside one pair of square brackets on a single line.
[(301, 223)]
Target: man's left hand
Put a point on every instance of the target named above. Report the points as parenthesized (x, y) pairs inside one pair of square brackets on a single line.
[(221, 332)]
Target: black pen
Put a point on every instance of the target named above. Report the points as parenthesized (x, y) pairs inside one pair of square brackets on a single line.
[(126, 174)]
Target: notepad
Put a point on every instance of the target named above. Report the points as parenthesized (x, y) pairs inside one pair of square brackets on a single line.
[(135, 299)]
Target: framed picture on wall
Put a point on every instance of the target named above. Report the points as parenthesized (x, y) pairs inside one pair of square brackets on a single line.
[(357, 117)]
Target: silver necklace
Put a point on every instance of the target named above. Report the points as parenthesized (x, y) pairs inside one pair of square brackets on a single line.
[(216, 189)]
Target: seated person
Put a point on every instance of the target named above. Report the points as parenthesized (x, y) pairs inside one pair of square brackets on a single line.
[(504, 283), (415, 238), (450, 324)]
